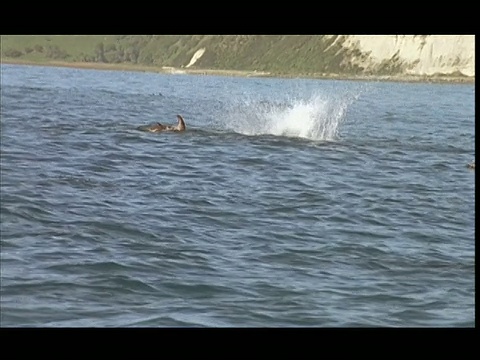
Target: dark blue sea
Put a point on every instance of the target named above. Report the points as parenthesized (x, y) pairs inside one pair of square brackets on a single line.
[(285, 203)]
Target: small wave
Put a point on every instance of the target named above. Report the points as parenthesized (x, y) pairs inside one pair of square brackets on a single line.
[(314, 118)]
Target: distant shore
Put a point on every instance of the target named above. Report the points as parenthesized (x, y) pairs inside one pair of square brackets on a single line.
[(240, 73)]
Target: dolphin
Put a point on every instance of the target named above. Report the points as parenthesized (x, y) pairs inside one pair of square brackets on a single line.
[(158, 127)]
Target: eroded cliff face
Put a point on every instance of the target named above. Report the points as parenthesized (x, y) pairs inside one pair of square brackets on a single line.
[(421, 55)]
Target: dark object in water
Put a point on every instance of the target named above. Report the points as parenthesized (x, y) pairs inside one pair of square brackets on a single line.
[(158, 127)]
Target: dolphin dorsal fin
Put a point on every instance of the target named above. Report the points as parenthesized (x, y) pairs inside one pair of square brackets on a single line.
[(181, 123)]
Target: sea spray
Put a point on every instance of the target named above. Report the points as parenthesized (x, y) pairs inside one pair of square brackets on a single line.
[(316, 118)]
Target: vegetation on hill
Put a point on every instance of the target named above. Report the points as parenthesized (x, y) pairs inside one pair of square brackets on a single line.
[(280, 54)]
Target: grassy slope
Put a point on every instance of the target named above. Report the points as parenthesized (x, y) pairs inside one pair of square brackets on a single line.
[(292, 55), (275, 53), (73, 45)]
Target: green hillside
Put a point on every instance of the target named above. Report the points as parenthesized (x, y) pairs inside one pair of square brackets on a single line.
[(289, 55)]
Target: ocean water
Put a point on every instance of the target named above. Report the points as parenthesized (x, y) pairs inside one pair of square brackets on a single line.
[(286, 203)]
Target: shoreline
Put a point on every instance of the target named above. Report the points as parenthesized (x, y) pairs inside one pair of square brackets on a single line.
[(443, 79)]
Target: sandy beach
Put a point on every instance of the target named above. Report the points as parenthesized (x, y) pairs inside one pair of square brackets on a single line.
[(240, 73)]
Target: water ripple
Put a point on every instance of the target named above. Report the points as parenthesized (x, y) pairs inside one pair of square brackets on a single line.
[(286, 203)]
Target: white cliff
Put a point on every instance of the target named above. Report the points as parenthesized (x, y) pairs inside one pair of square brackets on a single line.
[(416, 54)]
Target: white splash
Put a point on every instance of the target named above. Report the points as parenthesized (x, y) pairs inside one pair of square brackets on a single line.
[(315, 118)]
